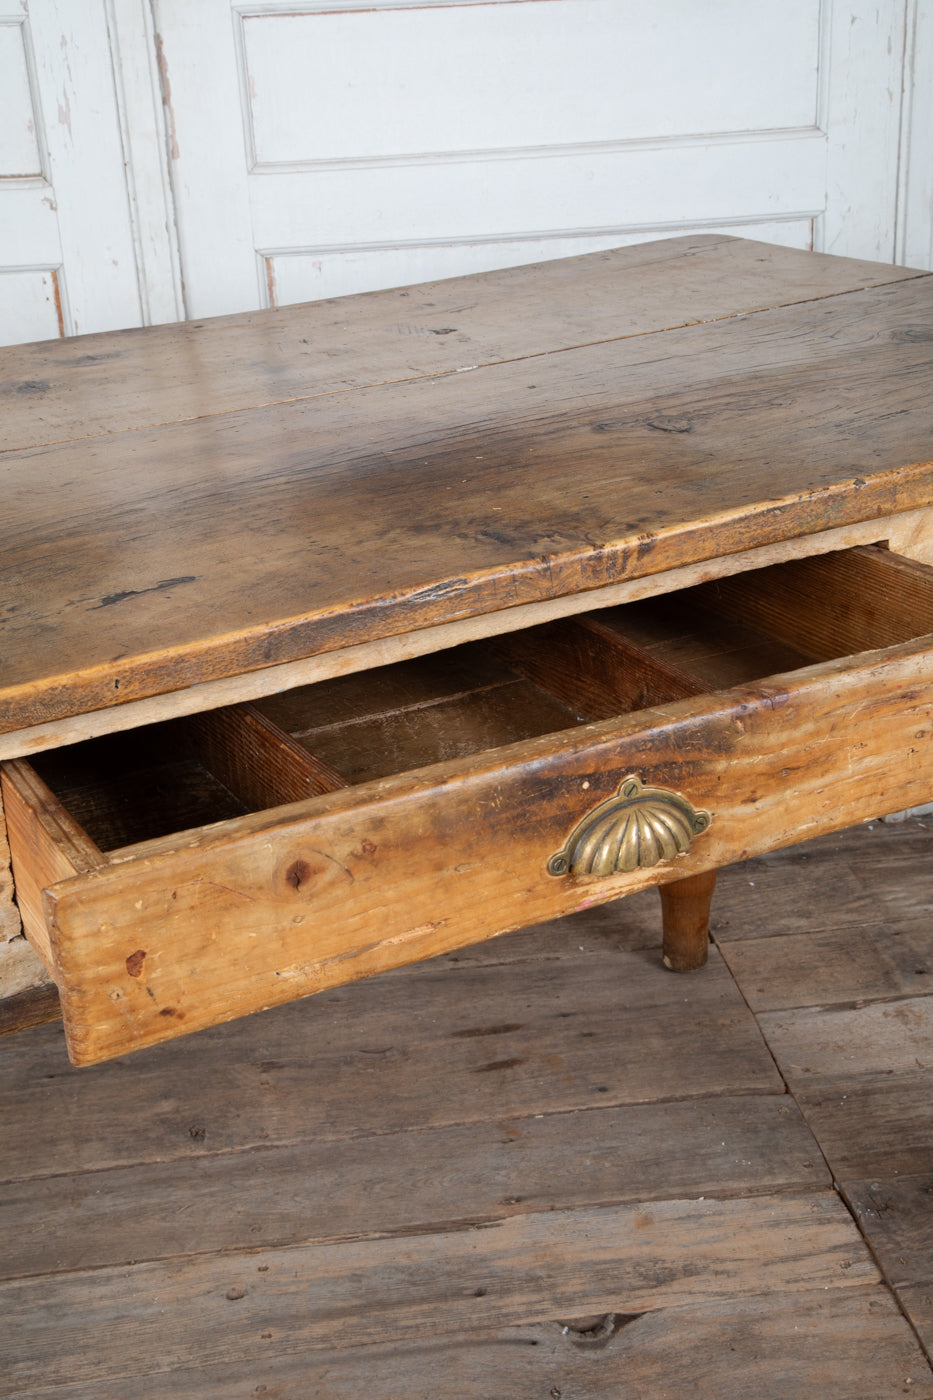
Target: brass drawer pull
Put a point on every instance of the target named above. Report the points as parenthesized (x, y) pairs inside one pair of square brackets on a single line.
[(634, 829)]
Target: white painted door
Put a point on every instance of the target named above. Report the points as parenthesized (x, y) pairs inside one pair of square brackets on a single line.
[(67, 256), (314, 147), (327, 146)]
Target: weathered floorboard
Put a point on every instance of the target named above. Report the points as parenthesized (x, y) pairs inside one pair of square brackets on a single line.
[(399, 1182), (848, 1015), (861, 1074), (850, 1344), (896, 1216), (917, 1302), (846, 879), (157, 1158), (857, 963), (533, 1268), (871, 1126), (835, 1042), (372, 1057)]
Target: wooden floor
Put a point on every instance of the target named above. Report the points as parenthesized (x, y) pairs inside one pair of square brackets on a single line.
[(543, 1167)]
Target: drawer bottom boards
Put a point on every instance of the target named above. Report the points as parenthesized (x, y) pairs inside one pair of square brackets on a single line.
[(183, 874)]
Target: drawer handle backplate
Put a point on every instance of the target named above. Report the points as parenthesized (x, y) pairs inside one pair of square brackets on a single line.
[(634, 829)]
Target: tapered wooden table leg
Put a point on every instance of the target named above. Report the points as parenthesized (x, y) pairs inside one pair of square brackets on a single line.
[(685, 906)]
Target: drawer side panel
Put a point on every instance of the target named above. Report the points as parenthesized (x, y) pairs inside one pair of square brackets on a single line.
[(10, 924), (46, 846)]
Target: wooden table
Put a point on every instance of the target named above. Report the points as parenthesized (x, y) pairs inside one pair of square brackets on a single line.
[(337, 636)]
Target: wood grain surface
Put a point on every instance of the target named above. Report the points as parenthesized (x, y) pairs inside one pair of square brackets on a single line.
[(839, 980), (481, 1175), (842, 1344), (94, 384), (34, 1005), (10, 923), (185, 549), (309, 1296), (856, 600), (556, 1029), (49, 844), (399, 1182), (365, 656), (412, 847)]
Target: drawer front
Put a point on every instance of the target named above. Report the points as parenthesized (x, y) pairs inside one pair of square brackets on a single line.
[(185, 932)]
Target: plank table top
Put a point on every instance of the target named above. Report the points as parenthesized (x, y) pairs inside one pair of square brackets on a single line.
[(186, 503)]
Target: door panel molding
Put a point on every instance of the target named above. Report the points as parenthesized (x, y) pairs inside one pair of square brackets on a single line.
[(224, 176), (138, 89), (264, 193), (863, 64), (22, 131), (914, 235), (326, 87)]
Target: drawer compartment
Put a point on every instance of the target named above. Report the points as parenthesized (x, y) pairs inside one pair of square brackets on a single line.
[(200, 870)]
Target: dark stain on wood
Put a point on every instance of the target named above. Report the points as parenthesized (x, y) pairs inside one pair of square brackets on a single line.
[(134, 963), (113, 598), (474, 1031), (299, 874)]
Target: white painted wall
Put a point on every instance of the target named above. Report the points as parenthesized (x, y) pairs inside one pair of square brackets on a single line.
[(163, 158)]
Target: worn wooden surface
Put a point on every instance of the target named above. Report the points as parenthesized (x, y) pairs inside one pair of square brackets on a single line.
[(397, 506), (412, 846), (535, 1036), (128, 456), (20, 968), (539, 1166), (598, 671), (353, 660), (380, 744), (34, 1005), (403, 1182), (841, 987), (97, 384), (10, 925), (46, 844), (202, 922), (309, 1296), (914, 538), (851, 601), (853, 1346)]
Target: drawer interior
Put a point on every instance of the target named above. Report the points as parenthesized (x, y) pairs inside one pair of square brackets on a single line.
[(124, 789), (128, 788), (414, 713)]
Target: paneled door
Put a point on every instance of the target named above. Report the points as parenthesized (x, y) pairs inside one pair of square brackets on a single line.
[(67, 255), (328, 146), (164, 158)]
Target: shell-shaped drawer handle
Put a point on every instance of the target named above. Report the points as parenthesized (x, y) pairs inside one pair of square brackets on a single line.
[(632, 830)]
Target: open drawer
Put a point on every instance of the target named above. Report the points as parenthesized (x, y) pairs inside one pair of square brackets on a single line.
[(183, 874)]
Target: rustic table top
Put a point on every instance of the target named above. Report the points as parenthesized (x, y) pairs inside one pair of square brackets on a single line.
[(192, 502)]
